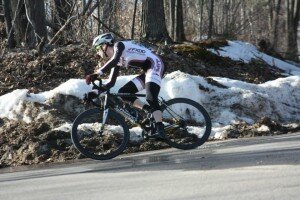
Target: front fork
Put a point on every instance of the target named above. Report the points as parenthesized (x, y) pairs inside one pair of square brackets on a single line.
[(105, 114)]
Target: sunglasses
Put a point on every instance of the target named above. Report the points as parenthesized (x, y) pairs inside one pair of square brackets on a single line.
[(97, 48)]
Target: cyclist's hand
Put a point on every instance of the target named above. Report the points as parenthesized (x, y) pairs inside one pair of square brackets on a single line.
[(88, 97), (90, 78)]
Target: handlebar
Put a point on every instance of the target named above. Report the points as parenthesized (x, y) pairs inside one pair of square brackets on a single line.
[(99, 87)]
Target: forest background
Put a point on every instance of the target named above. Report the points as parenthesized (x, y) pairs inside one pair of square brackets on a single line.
[(273, 25)]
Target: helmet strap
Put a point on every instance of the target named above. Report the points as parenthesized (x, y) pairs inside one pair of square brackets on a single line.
[(104, 51)]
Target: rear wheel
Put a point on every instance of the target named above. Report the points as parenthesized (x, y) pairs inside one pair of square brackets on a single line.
[(187, 123), (94, 143)]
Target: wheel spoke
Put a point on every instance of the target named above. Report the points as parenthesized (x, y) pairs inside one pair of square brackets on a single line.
[(187, 124), (96, 141)]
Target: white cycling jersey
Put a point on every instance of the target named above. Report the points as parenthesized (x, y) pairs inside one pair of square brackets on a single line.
[(131, 54)]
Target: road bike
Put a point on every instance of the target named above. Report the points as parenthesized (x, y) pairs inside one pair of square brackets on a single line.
[(103, 132)]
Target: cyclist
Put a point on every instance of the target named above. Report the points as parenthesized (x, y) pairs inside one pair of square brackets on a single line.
[(131, 54)]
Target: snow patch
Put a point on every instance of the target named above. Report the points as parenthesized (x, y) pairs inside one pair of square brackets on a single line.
[(243, 51)]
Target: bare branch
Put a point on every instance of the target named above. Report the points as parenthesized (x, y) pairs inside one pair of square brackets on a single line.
[(93, 8), (52, 25), (72, 19), (85, 9), (105, 26)]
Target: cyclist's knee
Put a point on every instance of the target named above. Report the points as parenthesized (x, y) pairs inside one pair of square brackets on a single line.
[(152, 91)]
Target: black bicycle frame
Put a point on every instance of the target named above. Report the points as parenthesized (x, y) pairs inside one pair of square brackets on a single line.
[(107, 104)]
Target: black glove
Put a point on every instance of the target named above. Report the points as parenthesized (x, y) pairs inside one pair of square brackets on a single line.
[(90, 78), (89, 96)]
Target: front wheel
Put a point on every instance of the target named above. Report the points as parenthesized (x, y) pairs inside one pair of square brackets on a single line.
[(98, 141), (187, 123)]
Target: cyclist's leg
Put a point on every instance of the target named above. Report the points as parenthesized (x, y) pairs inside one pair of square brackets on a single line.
[(153, 81), (152, 91), (135, 85)]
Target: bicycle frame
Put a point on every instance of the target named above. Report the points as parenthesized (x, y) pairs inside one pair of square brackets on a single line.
[(123, 111), (109, 103)]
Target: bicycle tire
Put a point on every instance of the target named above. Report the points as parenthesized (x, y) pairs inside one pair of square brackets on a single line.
[(84, 141), (177, 134)]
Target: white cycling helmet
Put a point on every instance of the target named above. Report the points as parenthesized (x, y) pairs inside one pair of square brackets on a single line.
[(106, 38)]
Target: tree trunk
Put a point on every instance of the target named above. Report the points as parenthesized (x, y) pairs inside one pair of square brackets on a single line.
[(8, 23), (275, 24), (1, 12), (243, 18), (201, 6), (35, 10), (106, 10), (133, 19), (19, 20), (293, 14), (153, 22), (226, 17), (172, 18), (271, 5), (98, 15), (179, 29), (211, 19)]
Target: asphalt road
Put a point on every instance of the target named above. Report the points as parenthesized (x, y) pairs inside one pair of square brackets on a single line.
[(258, 168)]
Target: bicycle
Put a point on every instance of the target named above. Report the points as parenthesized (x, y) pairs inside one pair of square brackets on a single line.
[(102, 132)]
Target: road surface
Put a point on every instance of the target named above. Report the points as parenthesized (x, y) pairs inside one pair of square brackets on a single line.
[(257, 168)]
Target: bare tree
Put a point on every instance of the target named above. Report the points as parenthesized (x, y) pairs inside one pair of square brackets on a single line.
[(176, 27), (201, 9), (210, 19), (35, 11), (275, 23), (226, 16), (85, 12), (153, 21), (62, 11), (133, 19), (292, 17), (8, 23), (19, 21), (172, 17), (1, 12), (109, 10)]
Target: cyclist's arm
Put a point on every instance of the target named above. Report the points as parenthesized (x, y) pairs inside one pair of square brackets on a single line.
[(118, 50), (114, 73)]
